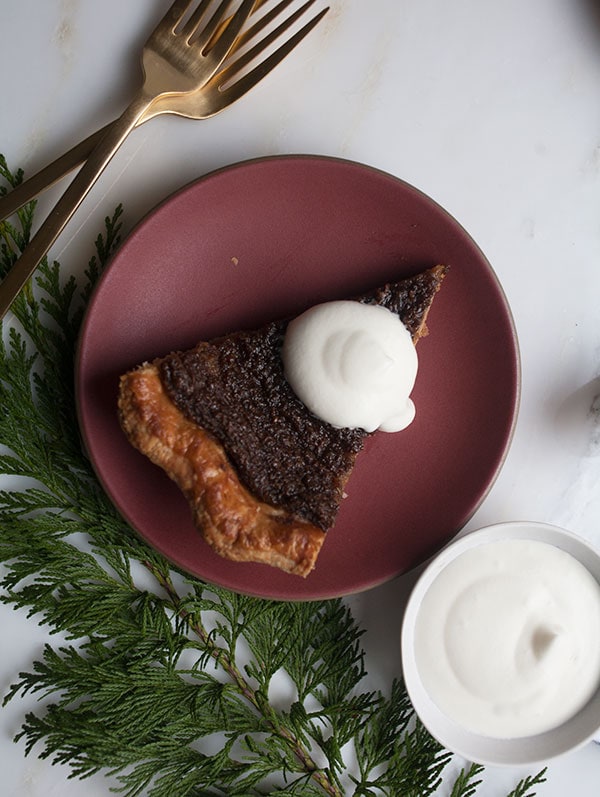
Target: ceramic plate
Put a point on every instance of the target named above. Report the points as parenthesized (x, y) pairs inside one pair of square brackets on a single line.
[(267, 239)]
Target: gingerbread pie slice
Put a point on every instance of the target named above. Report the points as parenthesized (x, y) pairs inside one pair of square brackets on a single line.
[(264, 477)]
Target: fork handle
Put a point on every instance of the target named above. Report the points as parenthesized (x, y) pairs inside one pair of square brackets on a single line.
[(70, 201), (50, 174)]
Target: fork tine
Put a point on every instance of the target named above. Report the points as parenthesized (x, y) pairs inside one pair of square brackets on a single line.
[(173, 16), (247, 35), (190, 26), (219, 50), (227, 74), (242, 38), (193, 23), (224, 97)]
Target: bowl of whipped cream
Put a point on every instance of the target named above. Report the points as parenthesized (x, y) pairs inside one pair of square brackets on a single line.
[(501, 644)]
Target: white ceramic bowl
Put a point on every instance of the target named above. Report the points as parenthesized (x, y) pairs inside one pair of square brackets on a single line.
[(577, 731)]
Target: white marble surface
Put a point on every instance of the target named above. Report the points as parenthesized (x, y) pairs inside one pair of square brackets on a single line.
[(492, 108)]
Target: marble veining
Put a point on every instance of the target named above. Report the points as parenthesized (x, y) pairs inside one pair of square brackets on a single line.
[(493, 110), (65, 34)]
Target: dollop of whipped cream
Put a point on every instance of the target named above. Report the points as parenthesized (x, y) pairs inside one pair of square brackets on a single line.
[(507, 639), (353, 365)]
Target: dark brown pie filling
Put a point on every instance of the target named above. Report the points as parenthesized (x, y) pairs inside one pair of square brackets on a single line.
[(234, 388)]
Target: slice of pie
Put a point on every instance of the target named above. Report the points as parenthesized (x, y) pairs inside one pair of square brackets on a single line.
[(264, 477)]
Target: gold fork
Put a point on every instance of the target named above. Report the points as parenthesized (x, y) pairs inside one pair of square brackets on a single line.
[(203, 103), (181, 61)]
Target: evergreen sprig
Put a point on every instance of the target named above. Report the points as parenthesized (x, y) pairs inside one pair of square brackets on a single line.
[(167, 683), (523, 789)]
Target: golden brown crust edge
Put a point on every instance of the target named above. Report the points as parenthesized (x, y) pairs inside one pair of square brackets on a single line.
[(234, 523)]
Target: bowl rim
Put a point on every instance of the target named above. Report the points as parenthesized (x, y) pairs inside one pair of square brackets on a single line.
[(524, 751)]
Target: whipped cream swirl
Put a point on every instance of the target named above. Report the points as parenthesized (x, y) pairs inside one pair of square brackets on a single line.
[(507, 640), (353, 365)]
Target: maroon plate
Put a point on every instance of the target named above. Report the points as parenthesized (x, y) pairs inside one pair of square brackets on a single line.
[(266, 239)]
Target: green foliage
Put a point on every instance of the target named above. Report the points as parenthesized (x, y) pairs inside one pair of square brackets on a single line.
[(169, 688), (523, 788), (465, 784)]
